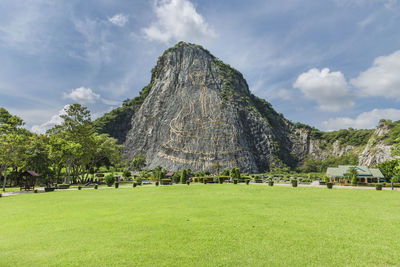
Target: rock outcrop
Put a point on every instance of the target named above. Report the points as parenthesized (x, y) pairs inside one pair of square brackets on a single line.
[(376, 150), (200, 113)]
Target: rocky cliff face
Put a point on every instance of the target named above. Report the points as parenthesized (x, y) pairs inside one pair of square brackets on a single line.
[(376, 150), (200, 113)]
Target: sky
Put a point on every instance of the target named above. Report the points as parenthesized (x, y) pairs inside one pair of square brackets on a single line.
[(331, 64)]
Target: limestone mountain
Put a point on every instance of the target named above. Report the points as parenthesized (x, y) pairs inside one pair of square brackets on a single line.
[(198, 112)]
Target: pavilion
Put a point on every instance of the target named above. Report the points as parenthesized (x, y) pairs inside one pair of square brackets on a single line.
[(365, 174), (28, 181)]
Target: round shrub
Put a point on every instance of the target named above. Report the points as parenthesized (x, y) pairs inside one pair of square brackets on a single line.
[(116, 185), (378, 186), (329, 185), (235, 181), (271, 183), (0, 195), (134, 184), (96, 186), (188, 182), (221, 180), (247, 181), (294, 183), (79, 187), (110, 179), (157, 183)]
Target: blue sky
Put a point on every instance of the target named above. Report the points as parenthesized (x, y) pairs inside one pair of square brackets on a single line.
[(331, 64)]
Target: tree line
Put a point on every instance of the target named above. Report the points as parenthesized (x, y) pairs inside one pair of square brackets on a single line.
[(66, 153)]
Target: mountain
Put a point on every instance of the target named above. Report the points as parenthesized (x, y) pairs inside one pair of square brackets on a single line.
[(198, 112)]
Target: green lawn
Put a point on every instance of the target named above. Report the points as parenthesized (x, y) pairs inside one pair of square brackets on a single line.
[(202, 225)]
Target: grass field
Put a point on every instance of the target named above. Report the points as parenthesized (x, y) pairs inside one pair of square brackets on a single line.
[(202, 225)]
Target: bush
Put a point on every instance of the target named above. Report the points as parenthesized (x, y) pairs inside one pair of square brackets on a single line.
[(294, 183), (271, 183), (166, 181), (49, 189), (329, 185), (134, 184), (96, 186), (247, 181), (127, 174), (63, 186), (116, 185), (221, 180), (79, 187), (378, 186), (110, 179), (235, 181), (0, 195), (35, 191), (188, 182), (157, 183)]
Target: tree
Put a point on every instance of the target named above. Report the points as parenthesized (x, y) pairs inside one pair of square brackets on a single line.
[(139, 161), (184, 176), (352, 174), (12, 142), (388, 168), (217, 167), (37, 155)]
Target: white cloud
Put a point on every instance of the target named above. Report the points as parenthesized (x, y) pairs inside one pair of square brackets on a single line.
[(329, 89), (365, 120), (82, 95), (382, 79), (284, 94), (119, 19), (177, 20), (98, 46), (54, 120)]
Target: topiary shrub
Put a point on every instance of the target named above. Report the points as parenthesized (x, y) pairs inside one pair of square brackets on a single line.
[(63, 186), (329, 185), (110, 179), (157, 183), (1, 195), (134, 184), (166, 181), (35, 191), (247, 181), (378, 186), (79, 187), (116, 185), (271, 183), (235, 181), (188, 182), (294, 183), (96, 186), (221, 180)]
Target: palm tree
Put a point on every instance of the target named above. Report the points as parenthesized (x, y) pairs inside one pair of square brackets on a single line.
[(352, 173)]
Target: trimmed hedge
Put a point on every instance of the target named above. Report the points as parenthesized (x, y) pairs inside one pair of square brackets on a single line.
[(271, 183), (116, 185), (96, 186), (378, 186), (63, 186), (294, 183), (235, 181), (329, 185), (166, 181)]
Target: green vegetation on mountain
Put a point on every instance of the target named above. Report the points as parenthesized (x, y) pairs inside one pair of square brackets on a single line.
[(349, 136), (311, 165), (394, 132)]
